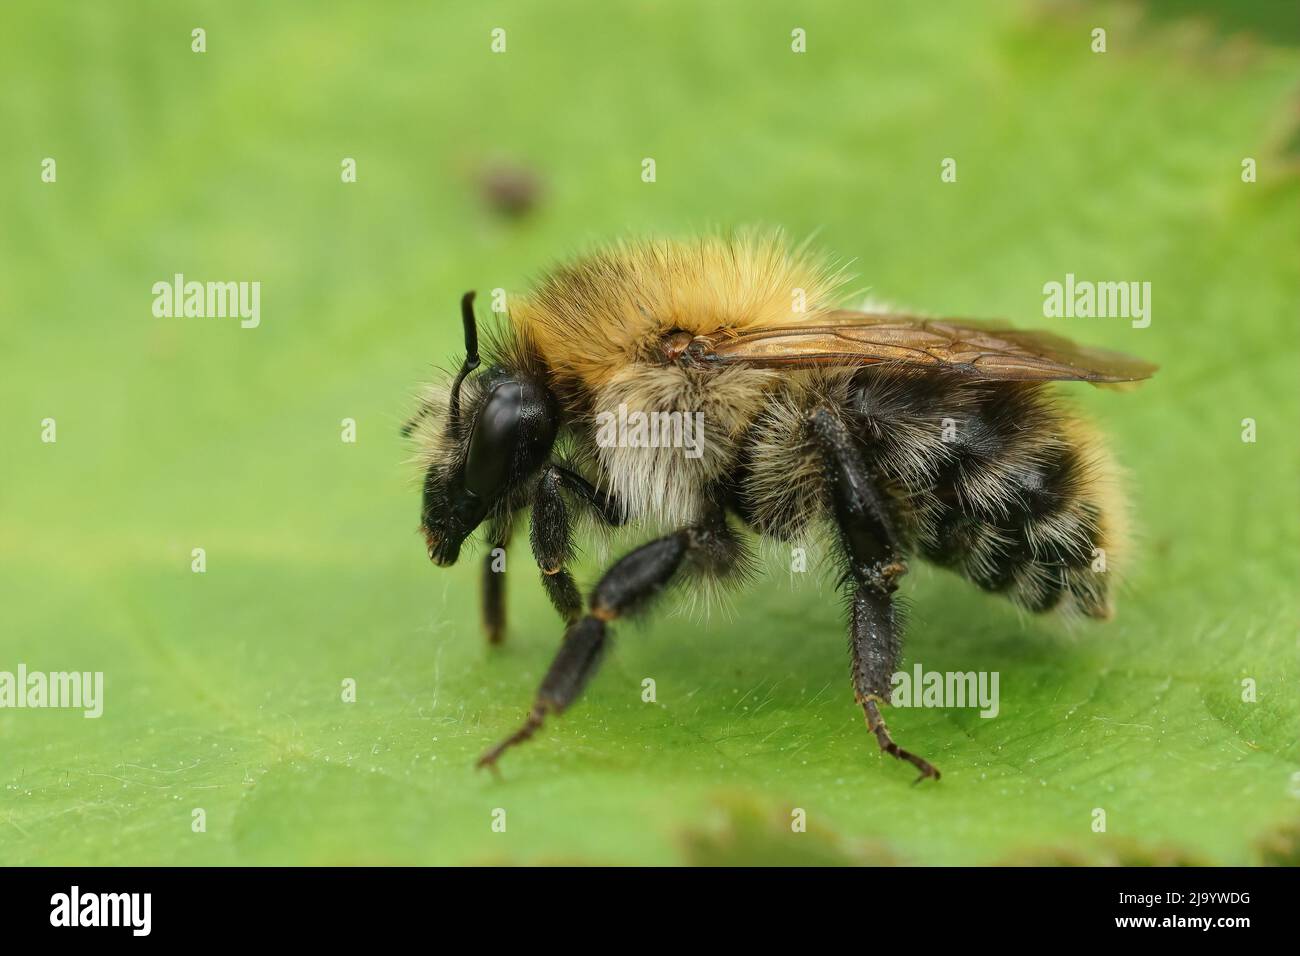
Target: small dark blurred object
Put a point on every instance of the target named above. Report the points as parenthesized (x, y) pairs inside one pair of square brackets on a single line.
[(509, 189)]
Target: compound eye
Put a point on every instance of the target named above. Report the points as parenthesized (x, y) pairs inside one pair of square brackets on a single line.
[(492, 445)]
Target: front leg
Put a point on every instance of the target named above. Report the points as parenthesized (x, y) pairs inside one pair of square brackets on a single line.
[(494, 581), (626, 588), (552, 541), (552, 532), (875, 564), (604, 504)]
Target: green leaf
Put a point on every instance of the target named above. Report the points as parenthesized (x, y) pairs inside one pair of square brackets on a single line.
[(224, 690)]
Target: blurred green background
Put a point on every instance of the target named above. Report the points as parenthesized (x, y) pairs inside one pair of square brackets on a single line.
[(223, 688)]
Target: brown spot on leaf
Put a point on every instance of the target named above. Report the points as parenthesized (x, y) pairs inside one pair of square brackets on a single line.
[(509, 189), (742, 832)]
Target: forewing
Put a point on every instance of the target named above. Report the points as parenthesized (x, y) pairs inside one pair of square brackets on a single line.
[(988, 350)]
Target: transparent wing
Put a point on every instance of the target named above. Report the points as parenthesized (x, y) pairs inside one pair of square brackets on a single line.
[(989, 350)]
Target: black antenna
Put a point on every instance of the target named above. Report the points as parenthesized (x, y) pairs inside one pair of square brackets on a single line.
[(471, 352)]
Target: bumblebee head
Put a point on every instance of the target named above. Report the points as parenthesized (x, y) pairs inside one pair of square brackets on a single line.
[(492, 440)]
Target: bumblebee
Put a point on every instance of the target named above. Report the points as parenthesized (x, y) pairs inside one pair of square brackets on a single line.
[(900, 437)]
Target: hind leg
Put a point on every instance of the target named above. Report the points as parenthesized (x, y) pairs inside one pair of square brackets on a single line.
[(875, 564)]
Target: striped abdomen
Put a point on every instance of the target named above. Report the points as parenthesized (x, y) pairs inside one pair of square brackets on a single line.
[(996, 481)]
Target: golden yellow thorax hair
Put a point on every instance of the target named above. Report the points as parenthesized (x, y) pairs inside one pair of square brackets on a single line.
[(590, 319)]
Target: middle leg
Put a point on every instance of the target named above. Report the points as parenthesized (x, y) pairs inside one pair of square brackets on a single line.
[(710, 547)]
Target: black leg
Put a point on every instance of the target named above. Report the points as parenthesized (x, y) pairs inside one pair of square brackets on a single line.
[(626, 588), (605, 506), (874, 565), (494, 583), (552, 532), (494, 602), (552, 540)]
